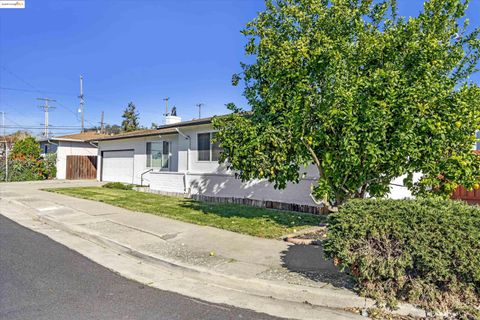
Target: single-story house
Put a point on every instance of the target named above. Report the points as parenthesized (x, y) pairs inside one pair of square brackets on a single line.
[(180, 157), (7, 142), (76, 154)]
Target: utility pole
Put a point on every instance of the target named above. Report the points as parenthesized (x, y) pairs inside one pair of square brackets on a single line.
[(166, 105), (6, 146), (82, 104), (102, 125), (200, 105), (45, 108)]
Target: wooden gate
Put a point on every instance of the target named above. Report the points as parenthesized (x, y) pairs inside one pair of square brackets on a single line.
[(472, 197), (81, 167)]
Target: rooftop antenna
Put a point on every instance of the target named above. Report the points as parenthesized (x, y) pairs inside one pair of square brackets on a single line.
[(200, 105), (166, 105)]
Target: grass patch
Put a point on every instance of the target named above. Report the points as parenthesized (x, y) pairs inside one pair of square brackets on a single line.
[(260, 222)]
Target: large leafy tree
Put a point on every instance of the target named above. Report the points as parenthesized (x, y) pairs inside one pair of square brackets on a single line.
[(361, 93), (130, 118)]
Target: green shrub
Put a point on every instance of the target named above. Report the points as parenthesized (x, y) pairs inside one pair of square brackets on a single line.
[(25, 163), (424, 251), (25, 170), (26, 148), (118, 185), (29, 169), (50, 161)]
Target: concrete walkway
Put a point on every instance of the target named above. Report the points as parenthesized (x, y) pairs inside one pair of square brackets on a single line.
[(265, 275)]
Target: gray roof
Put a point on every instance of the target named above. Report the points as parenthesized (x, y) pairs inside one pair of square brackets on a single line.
[(164, 129)]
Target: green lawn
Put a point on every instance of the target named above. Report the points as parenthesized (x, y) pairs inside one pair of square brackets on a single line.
[(260, 222)]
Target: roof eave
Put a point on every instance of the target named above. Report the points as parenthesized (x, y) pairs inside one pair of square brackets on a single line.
[(191, 123), (131, 137)]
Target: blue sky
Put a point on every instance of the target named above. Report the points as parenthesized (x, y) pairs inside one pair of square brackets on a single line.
[(127, 50)]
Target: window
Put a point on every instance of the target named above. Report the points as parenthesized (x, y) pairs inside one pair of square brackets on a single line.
[(158, 154), (208, 151), (203, 146)]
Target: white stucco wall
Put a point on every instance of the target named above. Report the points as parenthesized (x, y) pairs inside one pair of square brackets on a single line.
[(139, 145), (65, 149), (167, 181), (195, 166), (209, 178), (223, 185), (398, 190), (229, 186)]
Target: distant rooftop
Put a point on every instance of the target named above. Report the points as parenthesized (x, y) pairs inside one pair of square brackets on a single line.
[(136, 133), (164, 129), (82, 136)]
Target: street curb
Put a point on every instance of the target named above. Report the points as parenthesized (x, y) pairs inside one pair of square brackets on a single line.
[(316, 297)]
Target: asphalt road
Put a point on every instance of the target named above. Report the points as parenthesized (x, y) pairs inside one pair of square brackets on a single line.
[(41, 279)]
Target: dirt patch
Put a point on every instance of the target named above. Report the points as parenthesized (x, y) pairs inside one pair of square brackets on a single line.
[(310, 236)]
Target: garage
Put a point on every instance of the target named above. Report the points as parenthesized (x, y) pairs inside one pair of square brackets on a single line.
[(117, 166)]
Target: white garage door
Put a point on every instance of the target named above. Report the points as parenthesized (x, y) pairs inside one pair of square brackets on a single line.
[(117, 166)]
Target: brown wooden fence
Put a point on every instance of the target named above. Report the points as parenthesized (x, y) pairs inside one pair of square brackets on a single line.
[(81, 167), (472, 197)]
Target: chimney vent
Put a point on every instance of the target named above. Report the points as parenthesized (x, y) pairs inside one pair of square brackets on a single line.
[(172, 119)]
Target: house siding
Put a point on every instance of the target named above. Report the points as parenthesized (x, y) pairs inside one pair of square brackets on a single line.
[(209, 178), (139, 145), (71, 148)]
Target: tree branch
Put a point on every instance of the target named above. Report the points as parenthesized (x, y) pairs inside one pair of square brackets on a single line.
[(315, 159)]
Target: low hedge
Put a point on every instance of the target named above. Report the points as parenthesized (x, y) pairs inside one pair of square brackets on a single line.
[(118, 185), (424, 251)]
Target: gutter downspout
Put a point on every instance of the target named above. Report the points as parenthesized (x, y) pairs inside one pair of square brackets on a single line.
[(50, 141), (186, 185), (92, 144)]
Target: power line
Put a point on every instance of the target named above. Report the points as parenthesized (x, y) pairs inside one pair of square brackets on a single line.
[(17, 125), (74, 113), (16, 109), (12, 121), (40, 91), (18, 77), (34, 91), (8, 70)]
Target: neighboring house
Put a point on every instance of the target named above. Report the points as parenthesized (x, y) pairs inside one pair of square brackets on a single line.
[(7, 142), (69, 146), (47, 147), (6, 145), (179, 157)]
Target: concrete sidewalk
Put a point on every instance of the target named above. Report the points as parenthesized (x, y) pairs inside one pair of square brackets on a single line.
[(260, 268)]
